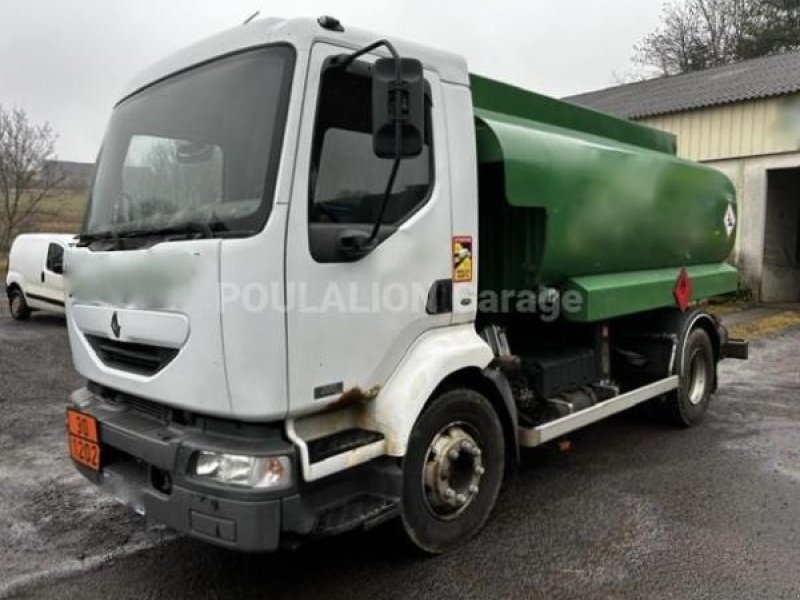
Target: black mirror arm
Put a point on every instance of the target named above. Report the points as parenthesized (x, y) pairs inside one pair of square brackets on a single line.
[(398, 125), (376, 227), (344, 61)]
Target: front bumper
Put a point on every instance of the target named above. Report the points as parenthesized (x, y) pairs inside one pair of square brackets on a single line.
[(145, 462)]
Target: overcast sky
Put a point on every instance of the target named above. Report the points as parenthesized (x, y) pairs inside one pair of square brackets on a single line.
[(66, 61)]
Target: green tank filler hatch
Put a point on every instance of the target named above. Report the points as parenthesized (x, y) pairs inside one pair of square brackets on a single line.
[(575, 199)]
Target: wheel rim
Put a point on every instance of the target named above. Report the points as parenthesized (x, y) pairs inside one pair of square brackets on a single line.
[(698, 375), (453, 471), (16, 305)]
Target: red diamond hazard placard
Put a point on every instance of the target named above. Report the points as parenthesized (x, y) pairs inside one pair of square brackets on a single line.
[(683, 290)]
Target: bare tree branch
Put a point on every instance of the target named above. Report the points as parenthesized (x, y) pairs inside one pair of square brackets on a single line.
[(27, 173), (698, 34)]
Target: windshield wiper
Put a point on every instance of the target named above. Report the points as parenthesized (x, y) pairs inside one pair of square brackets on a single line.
[(84, 239), (201, 230)]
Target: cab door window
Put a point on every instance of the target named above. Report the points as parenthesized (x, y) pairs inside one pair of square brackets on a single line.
[(347, 180)]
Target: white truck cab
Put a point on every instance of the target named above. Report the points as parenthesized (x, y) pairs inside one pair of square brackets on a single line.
[(35, 279), (275, 299)]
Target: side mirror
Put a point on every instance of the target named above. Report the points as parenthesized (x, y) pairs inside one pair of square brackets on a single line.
[(398, 99)]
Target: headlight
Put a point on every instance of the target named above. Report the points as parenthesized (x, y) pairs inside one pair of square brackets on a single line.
[(246, 471)]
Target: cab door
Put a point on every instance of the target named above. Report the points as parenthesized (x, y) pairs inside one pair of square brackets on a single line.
[(351, 319)]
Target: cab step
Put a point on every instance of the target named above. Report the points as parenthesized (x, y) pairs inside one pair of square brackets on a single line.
[(342, 441), (363, 511), (338, 451)]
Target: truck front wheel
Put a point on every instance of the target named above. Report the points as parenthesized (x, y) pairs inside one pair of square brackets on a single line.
[(17, 305), (687, 405), (452, 471)]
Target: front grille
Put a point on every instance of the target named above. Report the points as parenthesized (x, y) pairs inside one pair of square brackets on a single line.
[(142, 359), (144, 407), (134, 404)]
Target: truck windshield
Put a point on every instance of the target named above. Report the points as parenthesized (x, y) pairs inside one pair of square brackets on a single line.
[(195, 154)]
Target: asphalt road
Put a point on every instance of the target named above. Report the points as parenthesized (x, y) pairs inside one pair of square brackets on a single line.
[(634, 510)]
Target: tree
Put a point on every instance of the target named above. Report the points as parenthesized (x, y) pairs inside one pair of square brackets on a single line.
[(774, 28), (27, 173), (699, 34)]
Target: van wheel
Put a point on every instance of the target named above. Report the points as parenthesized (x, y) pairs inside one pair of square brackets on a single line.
[(452, 471), (17, 305), (687, 405)]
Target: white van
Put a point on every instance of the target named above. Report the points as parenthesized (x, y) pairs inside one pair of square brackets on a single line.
[(35, 278)]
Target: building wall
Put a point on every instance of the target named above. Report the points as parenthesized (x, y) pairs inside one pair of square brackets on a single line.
[(759, 127), (749, 175), (745, 141)]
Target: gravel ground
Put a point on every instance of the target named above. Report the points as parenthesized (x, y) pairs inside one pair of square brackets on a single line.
[(53, 522), (634, 510)]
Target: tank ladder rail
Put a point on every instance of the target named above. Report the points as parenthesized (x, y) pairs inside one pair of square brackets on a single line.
[(535, 436)]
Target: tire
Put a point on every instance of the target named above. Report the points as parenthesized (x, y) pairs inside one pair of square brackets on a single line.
[(457, 444), (17, 305), (687, 405)]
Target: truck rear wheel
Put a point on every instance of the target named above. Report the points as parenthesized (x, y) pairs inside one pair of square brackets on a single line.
[(687, 405), (17, 305), (452, 471)]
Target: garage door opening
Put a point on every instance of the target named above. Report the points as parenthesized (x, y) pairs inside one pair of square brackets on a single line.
[(781, 277)]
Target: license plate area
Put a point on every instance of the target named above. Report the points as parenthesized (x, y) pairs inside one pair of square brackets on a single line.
[(84, 439)]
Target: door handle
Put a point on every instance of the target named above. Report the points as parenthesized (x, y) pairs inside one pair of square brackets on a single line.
[(42, 277), (440, 297)]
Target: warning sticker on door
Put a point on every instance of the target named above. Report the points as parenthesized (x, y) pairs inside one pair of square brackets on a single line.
[(462, 258), (730, 220)]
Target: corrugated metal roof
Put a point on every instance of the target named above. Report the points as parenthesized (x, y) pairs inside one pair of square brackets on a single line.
[(748, 80)]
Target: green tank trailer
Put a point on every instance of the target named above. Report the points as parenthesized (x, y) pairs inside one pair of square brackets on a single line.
[(576, 199)]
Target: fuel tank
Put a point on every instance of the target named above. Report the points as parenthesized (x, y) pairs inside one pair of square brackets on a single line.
[(567, 192)]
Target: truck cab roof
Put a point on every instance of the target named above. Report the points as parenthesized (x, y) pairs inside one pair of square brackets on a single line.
[(301, 33)]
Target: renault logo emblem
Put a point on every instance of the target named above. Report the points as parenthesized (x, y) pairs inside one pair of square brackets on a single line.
[(115, 325)]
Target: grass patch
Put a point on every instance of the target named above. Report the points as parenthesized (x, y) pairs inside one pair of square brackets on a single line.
[(726, 308), (729, 303), (765, 326), (60, 213)]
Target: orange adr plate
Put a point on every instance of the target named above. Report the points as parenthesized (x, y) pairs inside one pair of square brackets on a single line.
[(83, 439)]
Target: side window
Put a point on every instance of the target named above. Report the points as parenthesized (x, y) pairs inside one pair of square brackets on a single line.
[(347, 180), (55, 258)]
